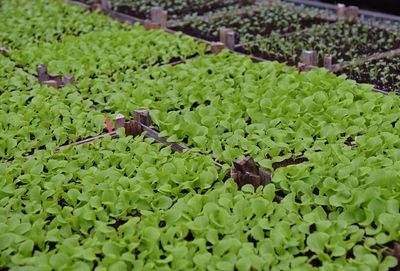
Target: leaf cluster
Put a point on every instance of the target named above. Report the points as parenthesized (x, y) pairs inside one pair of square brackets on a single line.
[(79, 208), (107, 53), (25, 22)]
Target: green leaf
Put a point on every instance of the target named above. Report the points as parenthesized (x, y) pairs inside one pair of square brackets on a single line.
[(161, 202), (316, 242), (118, 266), (212, 236), (243, 264), (382, 238), (73, 195), (202, 260), (110, 249), (80, 266), (226, 266), (5, 241), (59, 260)]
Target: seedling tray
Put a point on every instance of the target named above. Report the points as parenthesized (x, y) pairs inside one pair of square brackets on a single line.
[(384, 73), (175, 8), (390, 249), (124, 18), (239, 220), (251, 23), (315, 10), (343, 41), (297, 7), (365, 16)]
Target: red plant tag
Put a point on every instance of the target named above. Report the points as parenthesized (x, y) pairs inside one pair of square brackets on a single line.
[(108, 125)]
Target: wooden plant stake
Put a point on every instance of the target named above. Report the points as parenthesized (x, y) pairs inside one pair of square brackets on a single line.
[(246, 165), (352, 13), (396, 254), (3, 51), (105, 5), (227, 36), (340, 10), (328, 62), (230, 40), (53, 80), (42, 73), (133, 128), (119, 121), (301, 67), (159, 16), (69, 79), (50, 83), (266, 176), (58, 78), (246, 171), (142, 116), (310, 58), (95, 6), (396, 249), (148, 25), (251, 178), (235, 175), (217, 47)]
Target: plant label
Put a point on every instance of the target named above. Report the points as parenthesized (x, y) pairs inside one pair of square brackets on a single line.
[(142, 116), (42, 73), (227, 36), (119, 121), (340, 9), (69, 79), (105, 5), (159, 16), (328, 62), (310, 58), (266, 176), (148, 25), (246, 165), (133, 128), (217, 47), (57, 78), (352, 12), (108, 124), (50, 83)]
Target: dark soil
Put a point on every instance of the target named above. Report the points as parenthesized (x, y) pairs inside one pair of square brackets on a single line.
[(135, 13), (289, 162)]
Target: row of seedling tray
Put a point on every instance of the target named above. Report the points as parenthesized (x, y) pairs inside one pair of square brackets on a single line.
[(244, 170), (343, 41)]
